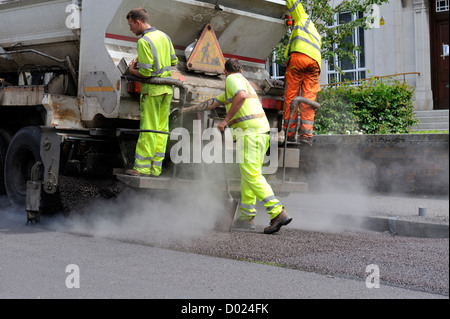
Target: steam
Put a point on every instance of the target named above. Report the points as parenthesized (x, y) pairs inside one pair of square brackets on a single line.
[(157, 216), (337, 198), (163, 217)]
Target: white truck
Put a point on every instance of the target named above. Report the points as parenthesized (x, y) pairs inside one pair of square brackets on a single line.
[(67, 106)]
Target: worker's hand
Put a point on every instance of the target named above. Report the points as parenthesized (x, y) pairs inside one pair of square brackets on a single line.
[(133, 65), (223, 126)]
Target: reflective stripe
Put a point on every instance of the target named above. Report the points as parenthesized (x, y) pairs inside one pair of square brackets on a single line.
[(308, 123), (247, 207), (142, 159), (158, 164), (290, 130), (315, 46), (306, 132), (160, 155), (291, 9), (271, 208), (247, 118), (268, 199), (142, 166), (306, 30), (145, 66), (250, 214), (158, 70)]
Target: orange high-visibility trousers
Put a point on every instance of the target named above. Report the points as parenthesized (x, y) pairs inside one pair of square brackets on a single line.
[(302, 73)]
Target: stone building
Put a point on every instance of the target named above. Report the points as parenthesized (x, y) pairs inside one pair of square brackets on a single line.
[(409, 37)]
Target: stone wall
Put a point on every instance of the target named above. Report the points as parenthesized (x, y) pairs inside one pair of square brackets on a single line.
[(402, 164)]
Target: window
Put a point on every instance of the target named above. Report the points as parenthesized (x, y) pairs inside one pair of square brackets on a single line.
[(352, 71), (442, 5)]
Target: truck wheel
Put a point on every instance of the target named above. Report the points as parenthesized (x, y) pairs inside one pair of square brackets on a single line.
[(23, 153), (5, 139)]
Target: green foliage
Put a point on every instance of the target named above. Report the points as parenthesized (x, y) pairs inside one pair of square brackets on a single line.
[(336, 113), (376, 107)]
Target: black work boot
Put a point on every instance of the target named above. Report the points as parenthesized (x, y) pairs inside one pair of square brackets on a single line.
[(275, 224)]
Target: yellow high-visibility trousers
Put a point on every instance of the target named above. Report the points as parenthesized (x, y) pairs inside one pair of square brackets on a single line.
[(151, 147), (251, 150)]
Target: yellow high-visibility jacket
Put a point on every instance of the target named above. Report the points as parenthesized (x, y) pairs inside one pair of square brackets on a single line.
[(156, 56), (304, 38)]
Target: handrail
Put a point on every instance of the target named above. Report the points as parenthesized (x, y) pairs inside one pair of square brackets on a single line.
[(375, 77)]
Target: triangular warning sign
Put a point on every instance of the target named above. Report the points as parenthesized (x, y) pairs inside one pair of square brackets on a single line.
[(207, 56)]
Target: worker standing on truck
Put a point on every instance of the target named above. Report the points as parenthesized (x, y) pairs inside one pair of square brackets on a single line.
[(303, 70), (156, 56), (246, 116)]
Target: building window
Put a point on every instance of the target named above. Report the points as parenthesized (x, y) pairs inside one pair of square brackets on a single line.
[(351, 71), (442, 5)]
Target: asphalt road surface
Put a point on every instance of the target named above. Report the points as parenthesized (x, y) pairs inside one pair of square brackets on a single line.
[(155, 249)]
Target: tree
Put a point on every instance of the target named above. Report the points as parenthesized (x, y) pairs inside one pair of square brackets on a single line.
[(334, 37)]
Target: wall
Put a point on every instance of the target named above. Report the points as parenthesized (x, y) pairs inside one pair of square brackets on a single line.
[(401, 164)]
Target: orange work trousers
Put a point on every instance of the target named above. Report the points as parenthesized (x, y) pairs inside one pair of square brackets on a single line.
[(302, 76)]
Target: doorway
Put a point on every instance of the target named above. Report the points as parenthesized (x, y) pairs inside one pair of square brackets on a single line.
[(439, 38)]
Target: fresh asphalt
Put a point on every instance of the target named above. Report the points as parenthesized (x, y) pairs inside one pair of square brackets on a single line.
[(120, 259)]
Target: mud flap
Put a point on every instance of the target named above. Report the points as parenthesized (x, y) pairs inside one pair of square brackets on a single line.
[(33, 198), (33, 201)]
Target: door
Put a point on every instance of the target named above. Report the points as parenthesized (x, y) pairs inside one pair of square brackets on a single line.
[(439, 61)]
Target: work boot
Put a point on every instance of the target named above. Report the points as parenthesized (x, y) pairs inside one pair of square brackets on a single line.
[(247, 224), (275, 224), (133, 172), (292, 139), (305, 141)]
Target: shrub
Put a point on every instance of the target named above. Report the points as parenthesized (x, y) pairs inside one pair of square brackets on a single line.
[(376, 107), (336, 113)]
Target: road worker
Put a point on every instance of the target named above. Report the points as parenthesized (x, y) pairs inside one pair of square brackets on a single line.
[(156, 56), (246, 117), (302, 74)]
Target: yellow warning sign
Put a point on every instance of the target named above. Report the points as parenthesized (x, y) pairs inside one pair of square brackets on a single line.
[(207, 56)]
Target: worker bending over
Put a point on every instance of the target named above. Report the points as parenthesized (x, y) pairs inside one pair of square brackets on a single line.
[(303, 70), (246, 116)]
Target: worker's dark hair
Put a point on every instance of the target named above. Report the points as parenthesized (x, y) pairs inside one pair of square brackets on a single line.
[(138, 14), (233, 66)]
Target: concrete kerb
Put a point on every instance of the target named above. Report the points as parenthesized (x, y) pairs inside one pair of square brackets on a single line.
[(396, 226)]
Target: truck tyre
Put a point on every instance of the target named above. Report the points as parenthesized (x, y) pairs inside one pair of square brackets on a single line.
[(23, 153), (5, 139)]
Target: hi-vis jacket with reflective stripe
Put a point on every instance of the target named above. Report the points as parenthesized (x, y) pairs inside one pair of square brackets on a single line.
[(156, 56), (304, 38), (251, 114)]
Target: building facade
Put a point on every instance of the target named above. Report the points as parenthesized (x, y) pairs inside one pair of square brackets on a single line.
[(410, 38)]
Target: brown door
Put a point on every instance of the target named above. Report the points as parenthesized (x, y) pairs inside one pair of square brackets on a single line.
[(439, 63)]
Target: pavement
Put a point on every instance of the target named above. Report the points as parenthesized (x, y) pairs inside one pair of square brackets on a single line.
[(403, 215)]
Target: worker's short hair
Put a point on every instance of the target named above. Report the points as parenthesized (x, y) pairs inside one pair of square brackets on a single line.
[(138, 14), (233, 66)]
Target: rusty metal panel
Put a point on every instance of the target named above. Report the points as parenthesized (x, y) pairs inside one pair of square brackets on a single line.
[(22, 95), (63, 112)]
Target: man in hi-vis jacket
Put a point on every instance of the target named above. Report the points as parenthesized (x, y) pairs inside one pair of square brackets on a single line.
[(303, 70), (156, 56)]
